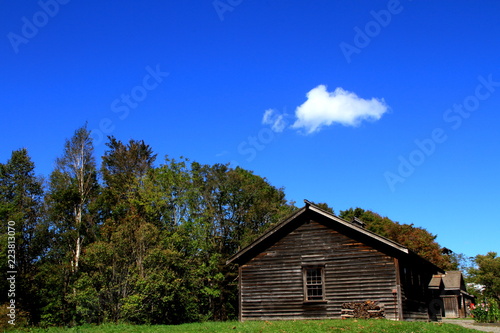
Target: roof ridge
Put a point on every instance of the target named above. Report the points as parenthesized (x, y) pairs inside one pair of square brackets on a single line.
[(309, 206), (359, 228)]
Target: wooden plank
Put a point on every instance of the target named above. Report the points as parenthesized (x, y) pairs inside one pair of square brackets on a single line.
[(397, 293), (450, 306), (239, 295)]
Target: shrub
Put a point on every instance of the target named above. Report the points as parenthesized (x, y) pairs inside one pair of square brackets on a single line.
[(18, 318), (486, 312)]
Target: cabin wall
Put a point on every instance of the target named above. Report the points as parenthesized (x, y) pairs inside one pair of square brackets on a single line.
[(417, 299), (454, 304), (271, 284)]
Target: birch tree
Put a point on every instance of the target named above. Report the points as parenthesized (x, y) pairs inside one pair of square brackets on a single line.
[(75, 178), (72, 190)]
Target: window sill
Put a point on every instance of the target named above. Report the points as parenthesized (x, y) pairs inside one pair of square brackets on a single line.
[(316, 302)]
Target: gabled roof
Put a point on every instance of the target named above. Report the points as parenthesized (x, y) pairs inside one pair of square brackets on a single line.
[(436, 281), (453, 280), (450, 281), (294, 220)]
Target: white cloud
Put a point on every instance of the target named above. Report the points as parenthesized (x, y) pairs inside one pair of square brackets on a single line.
[(275, 119), (324, 108)]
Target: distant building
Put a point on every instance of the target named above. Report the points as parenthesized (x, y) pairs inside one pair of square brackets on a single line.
[(450, 288), (313, 262)]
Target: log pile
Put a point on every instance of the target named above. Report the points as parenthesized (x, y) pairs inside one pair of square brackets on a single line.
[(364, 310)]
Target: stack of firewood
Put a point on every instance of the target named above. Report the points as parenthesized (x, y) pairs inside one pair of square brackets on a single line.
[(365, 310)]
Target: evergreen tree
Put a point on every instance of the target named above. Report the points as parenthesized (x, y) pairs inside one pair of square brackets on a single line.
[(21, 194)]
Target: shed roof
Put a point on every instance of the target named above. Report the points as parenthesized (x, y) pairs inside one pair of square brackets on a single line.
[(453, 280), (293, 221), (436, 281)]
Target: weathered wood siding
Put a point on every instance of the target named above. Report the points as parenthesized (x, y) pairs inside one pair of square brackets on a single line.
[(416, 296), (271, 284), (451, 308)]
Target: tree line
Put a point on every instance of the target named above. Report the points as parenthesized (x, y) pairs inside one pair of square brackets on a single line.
[(132, 240)]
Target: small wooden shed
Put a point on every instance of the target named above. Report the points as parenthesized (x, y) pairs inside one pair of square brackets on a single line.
[(451, 290), (313, 262)]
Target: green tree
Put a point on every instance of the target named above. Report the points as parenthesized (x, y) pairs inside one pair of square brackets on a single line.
[(21, 194), (203, 214), (123, 169), (487, 273), (72, 192), (115, 262), (76, 176), (234, 206), (163, 238)]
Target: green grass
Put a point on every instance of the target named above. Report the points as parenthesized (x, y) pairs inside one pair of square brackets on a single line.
[(306, 326)]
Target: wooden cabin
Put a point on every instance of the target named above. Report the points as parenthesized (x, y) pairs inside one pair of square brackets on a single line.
[(451, 290), (314, 263)]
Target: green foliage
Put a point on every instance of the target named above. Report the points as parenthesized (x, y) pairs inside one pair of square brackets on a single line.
[(154, 240), (72, 217), (21, 194), (487, 274), (131, 242), (22, 318), (486, 312)]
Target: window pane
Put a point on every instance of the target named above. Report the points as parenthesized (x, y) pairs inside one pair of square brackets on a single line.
[(314, 284)]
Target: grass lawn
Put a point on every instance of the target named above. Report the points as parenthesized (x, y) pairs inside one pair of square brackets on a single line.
[(306, 326)]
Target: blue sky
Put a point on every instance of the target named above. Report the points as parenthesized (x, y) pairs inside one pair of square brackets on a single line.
[(391, 106)]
